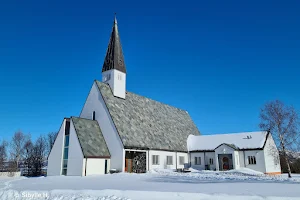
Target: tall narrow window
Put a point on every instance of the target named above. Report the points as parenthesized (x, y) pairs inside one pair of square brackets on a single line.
[(66, 148), (94, 115), (251, 160), (211, 161)]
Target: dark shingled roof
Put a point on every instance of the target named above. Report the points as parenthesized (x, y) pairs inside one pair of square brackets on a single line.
[(90, 138), (114, 58), (147, 124)]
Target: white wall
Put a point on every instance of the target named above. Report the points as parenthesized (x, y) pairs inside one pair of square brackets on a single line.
[(96, 166), (96, 103), (56, 154), (209, 155), (242, 159), (193, 164), (236, 160), (260, 160), (118, 85), (75, 158), (271, 155), (163, 159), (186, 159)]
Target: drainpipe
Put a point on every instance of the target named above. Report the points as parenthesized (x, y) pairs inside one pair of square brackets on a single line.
[(204, 161)]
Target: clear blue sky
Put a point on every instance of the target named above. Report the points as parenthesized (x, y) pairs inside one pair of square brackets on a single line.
[(219, 60)]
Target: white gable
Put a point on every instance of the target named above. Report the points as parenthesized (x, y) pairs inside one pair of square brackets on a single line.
[(248, 140)]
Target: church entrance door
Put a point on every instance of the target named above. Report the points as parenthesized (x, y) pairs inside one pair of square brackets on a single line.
[(135, 162)]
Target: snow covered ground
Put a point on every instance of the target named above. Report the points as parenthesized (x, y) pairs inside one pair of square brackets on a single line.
[(163, 184)]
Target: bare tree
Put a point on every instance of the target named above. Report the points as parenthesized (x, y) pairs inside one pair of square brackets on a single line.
[(17, 146), (28, 157), (40, 154), (283, 123), (3, 155), (50, 141)]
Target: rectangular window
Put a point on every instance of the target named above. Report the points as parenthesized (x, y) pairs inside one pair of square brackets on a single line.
[(251, 160), (155, 160), (66, 140), (197, 160), (181, 160), (169, 160), (211, 161), (66, 152)]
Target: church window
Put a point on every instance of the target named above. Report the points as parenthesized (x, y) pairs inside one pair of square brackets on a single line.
[(197, 160), (155, 159), (181, 160), (211, 161), (169, 160), (251, 160)]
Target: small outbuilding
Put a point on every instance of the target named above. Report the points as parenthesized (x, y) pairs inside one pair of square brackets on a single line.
[(221, 152)]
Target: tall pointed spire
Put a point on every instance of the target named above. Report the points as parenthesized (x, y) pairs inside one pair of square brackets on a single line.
[(114, 58)]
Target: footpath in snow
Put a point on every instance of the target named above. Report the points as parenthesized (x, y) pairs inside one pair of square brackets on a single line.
[(161, 184)]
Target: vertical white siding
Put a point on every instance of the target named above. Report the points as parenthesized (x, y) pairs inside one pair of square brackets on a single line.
[(96, 103), (271, 155), (56, 154), (96, 166), (75, 158)]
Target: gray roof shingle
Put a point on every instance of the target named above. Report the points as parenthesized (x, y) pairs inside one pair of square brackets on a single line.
[(148, 124), (90, 138)]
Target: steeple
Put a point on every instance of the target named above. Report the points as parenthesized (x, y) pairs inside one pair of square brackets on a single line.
[(114, 70), (114, 58)]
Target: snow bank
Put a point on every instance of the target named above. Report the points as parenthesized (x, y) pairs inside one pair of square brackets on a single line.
[(124, 195), (243, 174)]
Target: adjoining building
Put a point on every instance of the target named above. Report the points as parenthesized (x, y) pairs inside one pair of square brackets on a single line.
[(120, 130), (253, 150)]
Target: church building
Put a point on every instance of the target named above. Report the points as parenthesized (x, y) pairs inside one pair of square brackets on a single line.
[(120, 130)]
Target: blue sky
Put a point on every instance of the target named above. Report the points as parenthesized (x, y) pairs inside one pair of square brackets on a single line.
[(219, 60)]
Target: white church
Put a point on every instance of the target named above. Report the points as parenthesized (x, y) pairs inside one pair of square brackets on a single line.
[(123, 131)]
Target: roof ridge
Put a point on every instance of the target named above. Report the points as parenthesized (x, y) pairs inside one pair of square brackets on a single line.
[(233, 133)]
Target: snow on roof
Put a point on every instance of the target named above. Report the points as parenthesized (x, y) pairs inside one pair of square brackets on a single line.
[(247, 140)]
